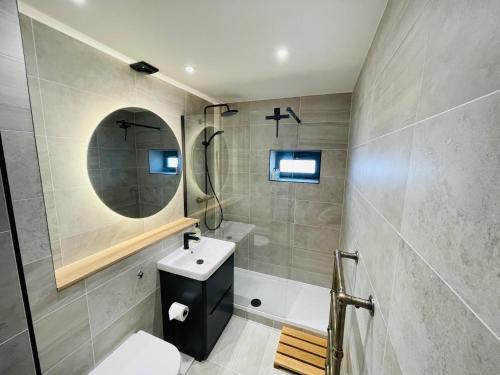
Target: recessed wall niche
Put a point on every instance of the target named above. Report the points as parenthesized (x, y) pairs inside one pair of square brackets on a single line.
[(134, 162)]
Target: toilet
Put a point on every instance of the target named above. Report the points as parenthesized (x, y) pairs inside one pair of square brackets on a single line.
[(141, 354)]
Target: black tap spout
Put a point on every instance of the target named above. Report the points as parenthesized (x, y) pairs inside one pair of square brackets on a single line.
[(189, 236)]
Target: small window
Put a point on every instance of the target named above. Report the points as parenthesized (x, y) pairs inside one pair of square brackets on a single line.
[(295, 166), (164, 161)]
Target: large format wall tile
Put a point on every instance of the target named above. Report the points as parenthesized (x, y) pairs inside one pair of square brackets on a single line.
[(16, 356), (380, 170), (451, 208), (399, 17), (10, 33), (372, 329), (84, 68), (62, 332), (462, 54), (318, 213), (111, 300), (433, 331), (140, 317), (326, 108), (397, 90), (79, 362), (22, 164), (43, 295), (432, 184), (12, 317), (31, 224)]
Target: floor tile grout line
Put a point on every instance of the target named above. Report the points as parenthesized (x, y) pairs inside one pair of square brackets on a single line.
[(419, 122), (429, 265)]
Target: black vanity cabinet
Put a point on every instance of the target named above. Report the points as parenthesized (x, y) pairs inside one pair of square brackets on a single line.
[(210, 305)]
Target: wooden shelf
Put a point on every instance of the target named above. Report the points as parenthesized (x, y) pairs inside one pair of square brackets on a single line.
[(83, 268)]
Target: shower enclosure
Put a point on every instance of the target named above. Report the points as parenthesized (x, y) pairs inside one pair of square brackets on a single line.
[(276, 278)]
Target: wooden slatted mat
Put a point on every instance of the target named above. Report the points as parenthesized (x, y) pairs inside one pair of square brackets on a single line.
[(301, 352)]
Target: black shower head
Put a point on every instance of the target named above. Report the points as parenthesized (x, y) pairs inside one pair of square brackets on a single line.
[(207, 143), (229, 112)]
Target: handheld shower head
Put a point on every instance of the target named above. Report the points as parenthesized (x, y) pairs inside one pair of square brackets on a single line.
[(207, 142)]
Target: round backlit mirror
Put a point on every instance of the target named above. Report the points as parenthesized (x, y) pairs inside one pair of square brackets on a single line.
[(134, 162)]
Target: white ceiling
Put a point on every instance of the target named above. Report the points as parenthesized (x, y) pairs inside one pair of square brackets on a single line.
[(232, 43)]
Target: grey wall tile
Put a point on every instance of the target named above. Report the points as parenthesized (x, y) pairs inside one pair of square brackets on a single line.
[(4, 218), (312, 261), (330, 190), (263, 136), (325, 108), (16, 357), (378, 244), (333, 163), (380, 170), (9, 7), (318, 213), (452, 78), (12, 316), (451, 211), (372, 330), (14, 100), (28, 45), (323, 136), (397, 90), (444, 336), (80, 362), (398, 19), (10, 33), (320, 239), (14, 85), (140, 317), (22, 164), (62, 332), (43, 295), (85, 68), (390, 365), (111, 300), (31, 225)]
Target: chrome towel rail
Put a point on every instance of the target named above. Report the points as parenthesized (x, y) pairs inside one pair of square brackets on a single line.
[(339, 300)]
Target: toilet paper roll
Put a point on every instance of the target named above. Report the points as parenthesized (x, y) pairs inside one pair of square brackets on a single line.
[(178, 311)]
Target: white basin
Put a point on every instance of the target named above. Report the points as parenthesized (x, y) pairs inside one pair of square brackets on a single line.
[(183, 262)]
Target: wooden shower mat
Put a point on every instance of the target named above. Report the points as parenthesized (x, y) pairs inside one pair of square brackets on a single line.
[(301, 352)]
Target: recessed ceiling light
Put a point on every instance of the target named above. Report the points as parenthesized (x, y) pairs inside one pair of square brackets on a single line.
[(282, 54), (79, 2), (189, 69)]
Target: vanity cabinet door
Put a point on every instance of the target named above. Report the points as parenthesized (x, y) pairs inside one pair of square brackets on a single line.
[(220, 299)]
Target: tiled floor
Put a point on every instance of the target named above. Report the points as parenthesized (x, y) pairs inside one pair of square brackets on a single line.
[(244, 348)]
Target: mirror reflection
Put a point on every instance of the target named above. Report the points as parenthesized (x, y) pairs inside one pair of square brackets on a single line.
[(134, 162)]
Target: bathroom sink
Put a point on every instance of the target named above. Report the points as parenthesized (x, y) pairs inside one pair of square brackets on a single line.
[(200, 261)]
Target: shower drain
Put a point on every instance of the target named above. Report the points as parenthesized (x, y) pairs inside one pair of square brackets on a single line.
[(256, 302), (229, 237), (200, 261)]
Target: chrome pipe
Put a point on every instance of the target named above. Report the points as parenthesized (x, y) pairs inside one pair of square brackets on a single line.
[(339, 300)]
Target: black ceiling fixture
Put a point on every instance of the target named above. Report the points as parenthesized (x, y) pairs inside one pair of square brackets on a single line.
[(144, 67)]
